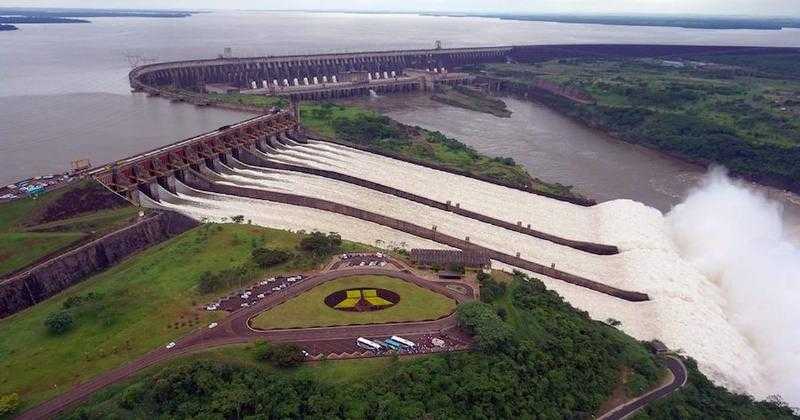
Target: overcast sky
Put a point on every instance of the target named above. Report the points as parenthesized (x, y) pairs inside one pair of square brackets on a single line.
[(726, 7)]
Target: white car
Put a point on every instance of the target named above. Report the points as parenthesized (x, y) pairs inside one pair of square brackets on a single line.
[(212, 325), (171, 345), (260, 296), (305, 353), (275, 289)]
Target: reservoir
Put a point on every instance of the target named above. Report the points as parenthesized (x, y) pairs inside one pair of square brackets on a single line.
[(71, 100)]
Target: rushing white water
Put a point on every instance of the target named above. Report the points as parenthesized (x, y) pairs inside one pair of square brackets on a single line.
[(216, 207), (735, 236), (687, 311)]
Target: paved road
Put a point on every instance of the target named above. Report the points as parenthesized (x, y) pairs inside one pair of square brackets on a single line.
[(235, 329), (679, 378)]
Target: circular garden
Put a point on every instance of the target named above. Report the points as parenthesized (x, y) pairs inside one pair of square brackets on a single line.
[(362, 299), (356, 300)]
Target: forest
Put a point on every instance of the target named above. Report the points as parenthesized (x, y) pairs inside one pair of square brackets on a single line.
[(737, 110)]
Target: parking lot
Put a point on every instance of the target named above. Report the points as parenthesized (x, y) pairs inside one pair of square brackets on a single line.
[(245, 298)]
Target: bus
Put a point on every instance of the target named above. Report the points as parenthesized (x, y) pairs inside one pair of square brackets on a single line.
[(368, 344), (403, 341), (394, 345)]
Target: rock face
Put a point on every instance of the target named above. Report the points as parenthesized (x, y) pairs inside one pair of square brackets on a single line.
[(49, 278)]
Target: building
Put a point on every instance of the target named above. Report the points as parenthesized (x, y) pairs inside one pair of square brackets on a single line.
[(444, 258)]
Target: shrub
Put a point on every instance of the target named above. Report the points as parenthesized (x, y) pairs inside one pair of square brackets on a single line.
[(265, 257), (490, 288), (58, 322), (237, 219), (491, 333), (233, 276), (320, 244), (455, 268), (281, 355), (9, 404), (78, 300)]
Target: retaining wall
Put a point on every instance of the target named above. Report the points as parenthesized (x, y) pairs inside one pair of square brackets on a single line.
[(585, 202), (255, 160), (47, 279)]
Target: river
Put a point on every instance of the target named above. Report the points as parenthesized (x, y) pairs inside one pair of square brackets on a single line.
[(558, 149), (64, 93)]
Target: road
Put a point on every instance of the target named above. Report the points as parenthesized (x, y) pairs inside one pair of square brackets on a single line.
[(235, 329), (679, 378)]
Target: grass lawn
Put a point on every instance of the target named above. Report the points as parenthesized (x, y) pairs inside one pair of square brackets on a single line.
[(23, 240), (310, 310), (140, 304)]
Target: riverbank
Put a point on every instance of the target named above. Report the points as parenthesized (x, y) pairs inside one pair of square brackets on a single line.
[(740, 111), (470, 98)]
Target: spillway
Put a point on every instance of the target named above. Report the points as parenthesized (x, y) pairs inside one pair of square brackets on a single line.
[(685, 311), (548, 215), (202, 205)]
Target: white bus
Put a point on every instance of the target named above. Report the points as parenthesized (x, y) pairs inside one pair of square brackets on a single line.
[(403, 341), (367, 344)]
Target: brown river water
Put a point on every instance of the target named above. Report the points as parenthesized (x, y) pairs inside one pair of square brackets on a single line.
[(558, 149), (64, 92)]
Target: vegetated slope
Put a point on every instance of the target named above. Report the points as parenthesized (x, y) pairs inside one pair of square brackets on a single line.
[(368, 128), (701, 399), (739, 110), (545, 359), (134, 307), (31, 229)]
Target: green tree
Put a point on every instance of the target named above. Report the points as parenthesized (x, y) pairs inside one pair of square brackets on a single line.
[(321, 244), (9, 404), (58, 322), (265, 257)]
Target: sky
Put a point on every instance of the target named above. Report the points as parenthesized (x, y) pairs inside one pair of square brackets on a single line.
[(709, 7)]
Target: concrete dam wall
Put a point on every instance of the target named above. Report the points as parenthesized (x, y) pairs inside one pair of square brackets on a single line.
[(243, 71), (48, 279)]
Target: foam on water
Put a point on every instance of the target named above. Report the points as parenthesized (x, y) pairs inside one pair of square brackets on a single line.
[(697, 305), (736, 237)]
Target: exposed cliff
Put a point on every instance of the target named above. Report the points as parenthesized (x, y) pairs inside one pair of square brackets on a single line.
[(59, 273)]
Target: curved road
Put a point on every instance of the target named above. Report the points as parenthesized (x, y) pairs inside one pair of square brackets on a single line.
[(679, 377), (235, 329)]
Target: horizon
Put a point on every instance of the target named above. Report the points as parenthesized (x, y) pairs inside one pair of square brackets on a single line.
[(658, 8)]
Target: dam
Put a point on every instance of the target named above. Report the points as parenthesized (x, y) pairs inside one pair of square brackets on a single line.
[(323, 76), (615, 260)]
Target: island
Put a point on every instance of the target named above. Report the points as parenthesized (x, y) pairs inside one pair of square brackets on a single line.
[(10, 15)]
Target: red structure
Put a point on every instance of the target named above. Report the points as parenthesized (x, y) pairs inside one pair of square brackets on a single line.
[(142, 172)]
